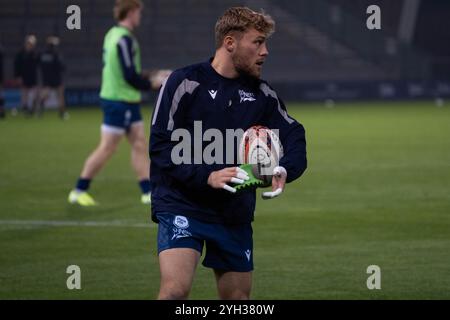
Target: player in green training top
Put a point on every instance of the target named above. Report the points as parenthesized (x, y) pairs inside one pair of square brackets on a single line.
[(122, 82)]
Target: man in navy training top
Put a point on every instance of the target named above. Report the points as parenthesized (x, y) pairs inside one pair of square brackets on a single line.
[(194, 203)]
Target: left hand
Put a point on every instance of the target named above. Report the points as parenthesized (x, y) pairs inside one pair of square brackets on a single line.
[(278, 183)]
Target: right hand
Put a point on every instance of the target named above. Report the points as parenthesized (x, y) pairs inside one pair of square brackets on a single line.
[(219, 179)]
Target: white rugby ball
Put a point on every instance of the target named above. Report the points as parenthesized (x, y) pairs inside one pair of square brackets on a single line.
[(262, 148)]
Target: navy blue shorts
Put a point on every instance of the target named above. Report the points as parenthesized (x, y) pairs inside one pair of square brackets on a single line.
[(119, 116), (228, 247)]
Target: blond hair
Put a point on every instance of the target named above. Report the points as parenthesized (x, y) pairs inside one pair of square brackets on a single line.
[(122, 7), (241, 19)]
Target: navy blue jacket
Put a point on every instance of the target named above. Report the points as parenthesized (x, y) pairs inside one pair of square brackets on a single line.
[(199, 93)]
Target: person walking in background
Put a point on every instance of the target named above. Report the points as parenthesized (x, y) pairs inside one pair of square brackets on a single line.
[(122, 82)]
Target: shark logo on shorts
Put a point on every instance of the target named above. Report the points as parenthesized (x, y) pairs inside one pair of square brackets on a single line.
[(181, 223), (180, 233)]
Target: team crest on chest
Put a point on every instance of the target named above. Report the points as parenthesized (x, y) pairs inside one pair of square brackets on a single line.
[(246, 96)]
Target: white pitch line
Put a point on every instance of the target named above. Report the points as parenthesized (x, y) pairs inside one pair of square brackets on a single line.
[(63, 223)]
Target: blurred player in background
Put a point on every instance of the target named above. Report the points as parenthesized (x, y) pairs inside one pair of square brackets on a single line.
[(120, 95), (52, 70), (193, 203), (26, 71)]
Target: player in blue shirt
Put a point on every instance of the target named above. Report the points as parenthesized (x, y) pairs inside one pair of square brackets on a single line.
[(193, 201)]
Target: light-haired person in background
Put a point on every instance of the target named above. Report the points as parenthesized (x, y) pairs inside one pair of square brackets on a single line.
[(122, 82)]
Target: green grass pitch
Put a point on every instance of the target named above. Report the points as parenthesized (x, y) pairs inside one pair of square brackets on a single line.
[(377, 192)]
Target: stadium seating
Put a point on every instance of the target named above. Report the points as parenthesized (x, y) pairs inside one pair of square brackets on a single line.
[(176, 33)]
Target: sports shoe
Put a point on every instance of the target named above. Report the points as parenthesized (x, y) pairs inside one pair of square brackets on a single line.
[(146, 198), (82, 198)]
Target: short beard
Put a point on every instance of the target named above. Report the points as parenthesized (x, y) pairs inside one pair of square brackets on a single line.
[(242, 68)]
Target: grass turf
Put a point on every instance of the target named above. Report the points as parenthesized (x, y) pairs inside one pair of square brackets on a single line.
[(377, 192)]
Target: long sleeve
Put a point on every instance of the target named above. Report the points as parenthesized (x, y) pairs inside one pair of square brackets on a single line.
[(168, 116), (125, 50), (292, 135)]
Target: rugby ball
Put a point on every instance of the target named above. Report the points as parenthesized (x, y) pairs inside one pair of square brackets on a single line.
[(261, 147)]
